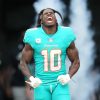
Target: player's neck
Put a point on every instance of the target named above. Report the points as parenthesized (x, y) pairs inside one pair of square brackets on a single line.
[(50, 29)]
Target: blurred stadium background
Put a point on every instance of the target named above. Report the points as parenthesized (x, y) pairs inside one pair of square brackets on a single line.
[(15, 17)]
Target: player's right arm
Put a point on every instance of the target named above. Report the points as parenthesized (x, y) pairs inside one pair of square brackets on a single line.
[(26, 57), (27, 54)]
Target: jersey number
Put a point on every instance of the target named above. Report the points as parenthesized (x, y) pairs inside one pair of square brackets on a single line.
[(52, 56)]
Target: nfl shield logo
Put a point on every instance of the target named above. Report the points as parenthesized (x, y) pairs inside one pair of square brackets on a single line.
[(38, 40), (50, 40)]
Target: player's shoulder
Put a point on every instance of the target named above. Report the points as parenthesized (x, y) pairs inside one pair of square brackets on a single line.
[(67, 31), (66, 28), (32, 30)]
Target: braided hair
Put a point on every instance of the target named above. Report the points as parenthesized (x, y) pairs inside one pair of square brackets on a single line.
[(41, 12)]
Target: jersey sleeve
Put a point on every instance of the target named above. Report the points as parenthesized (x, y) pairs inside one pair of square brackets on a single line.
[(27, 37), (71, 37)]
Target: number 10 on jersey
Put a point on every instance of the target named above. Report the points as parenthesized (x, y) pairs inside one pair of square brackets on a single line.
[(52, 60)]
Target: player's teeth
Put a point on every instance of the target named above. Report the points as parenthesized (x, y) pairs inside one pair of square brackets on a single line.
[(50, 17)]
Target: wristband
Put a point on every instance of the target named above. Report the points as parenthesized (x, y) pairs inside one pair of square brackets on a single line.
[(68, 76), (31, 78)]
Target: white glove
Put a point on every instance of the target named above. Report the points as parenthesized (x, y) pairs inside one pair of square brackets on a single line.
[(64, 79), (34, 82)]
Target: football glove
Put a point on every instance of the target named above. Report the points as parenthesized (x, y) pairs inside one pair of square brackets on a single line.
[(64, 79), (34, 82)]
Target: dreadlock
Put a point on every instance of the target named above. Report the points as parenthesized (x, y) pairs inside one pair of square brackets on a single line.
[(41, 12)]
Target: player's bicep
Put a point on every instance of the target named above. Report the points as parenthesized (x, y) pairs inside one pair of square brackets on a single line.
[(72, 52), (27, 53)]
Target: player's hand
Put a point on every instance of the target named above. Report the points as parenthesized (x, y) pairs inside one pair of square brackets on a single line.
[(34, 82), (64, 79)]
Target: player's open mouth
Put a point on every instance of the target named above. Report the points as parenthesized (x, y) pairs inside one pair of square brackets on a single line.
[(49, 19)]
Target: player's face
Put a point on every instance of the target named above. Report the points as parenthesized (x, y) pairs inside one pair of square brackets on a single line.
[(48, 18)]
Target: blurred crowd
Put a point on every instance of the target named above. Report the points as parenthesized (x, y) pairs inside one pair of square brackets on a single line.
[(10, 76)]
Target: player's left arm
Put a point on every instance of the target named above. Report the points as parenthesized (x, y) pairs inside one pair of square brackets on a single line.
[(73, 56)]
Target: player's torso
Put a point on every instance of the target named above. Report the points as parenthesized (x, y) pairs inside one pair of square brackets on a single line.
[(49, 54)]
